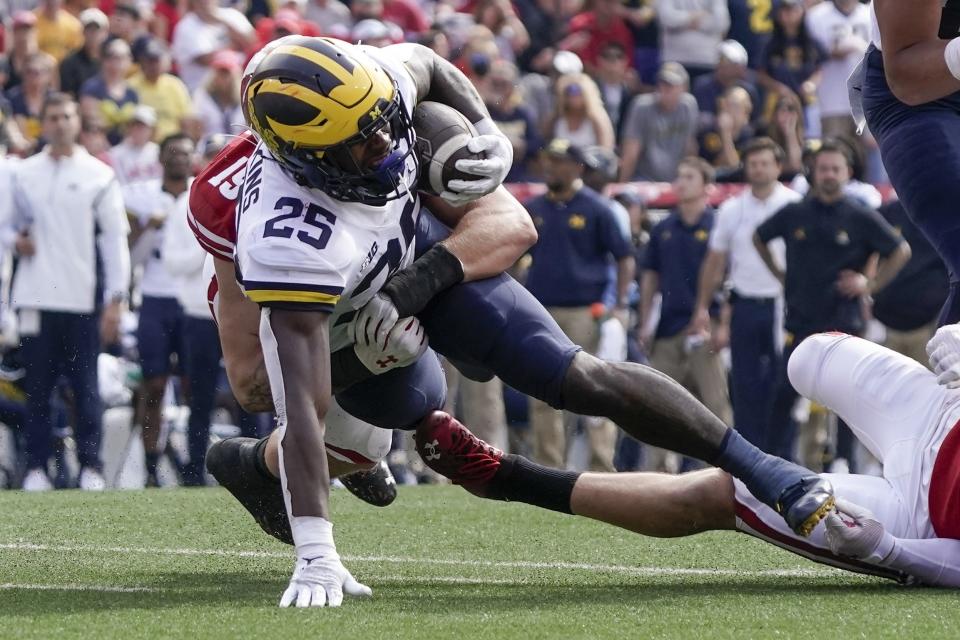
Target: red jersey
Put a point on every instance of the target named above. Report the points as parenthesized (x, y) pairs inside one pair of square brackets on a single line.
[(213, 196)]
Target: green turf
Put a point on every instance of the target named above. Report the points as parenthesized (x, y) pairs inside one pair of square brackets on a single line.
[(142, 540)]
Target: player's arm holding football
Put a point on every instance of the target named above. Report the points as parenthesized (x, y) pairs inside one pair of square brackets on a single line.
[(438, 80), (920, 67)]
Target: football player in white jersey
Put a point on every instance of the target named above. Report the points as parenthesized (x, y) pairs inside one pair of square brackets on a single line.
[(327, 215)]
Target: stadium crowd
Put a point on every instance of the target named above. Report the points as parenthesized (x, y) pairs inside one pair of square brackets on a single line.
[(675, 155)]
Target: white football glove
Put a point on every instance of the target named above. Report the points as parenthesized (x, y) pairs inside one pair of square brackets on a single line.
[(944, 352), (319, 578), (854, 531), (375, 321), (321, 581), (403, 345), (491, 171)]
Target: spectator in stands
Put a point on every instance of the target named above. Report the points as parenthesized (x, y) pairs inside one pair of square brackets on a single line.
[(513, 118), (720, 144), (26, 99), (579, 235), (128, 23), (580, 117), (160, 338), (217, 102), (68, 207), (830, 241), (477, 52), (588, 31), (641, 18), (332, 16), (58, 31), (908, 307), (137, 157), (84, 63), (183, 259), (437, 41), (751, 25), (546, 22), (163, 91), (288, 20), (406, 14), (842, 29), (539, 90), (375, 33), (600, 169), (691, 32), (756, 296), (508, 32), (786, 129), (616, 82), (108, 95), (94, 140), (203, 31), (23, 44), (792, 60), (731, 71), (660, 128), (674, 256), (166, 14)]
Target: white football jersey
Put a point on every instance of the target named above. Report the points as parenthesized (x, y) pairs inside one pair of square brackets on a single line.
[(299, 248)]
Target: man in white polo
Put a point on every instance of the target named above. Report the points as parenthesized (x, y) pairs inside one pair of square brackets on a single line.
[(756, 295), (67, 206)]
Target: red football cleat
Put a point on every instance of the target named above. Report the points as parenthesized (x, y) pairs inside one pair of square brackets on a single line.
[(450, 449)]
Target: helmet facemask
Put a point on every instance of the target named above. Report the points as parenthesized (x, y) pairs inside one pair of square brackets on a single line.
[(336, 172)]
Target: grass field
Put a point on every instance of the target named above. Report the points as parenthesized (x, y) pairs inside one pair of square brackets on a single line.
[(192, 564)]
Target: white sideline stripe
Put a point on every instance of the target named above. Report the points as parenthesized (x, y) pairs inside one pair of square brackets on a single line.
[(17, 586), (522, 564)]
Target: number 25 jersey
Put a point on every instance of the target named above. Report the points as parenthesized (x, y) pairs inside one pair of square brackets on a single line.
[(298, 248)]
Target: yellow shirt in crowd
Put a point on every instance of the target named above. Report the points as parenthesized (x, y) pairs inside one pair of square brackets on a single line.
[(59, 36), (169, 98)]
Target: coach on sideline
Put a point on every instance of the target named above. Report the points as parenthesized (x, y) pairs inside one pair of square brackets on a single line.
[(755, 293), (830, 242), (67, 203), (579, 240)]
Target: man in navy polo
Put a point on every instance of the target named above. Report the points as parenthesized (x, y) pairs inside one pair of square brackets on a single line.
[(675, 254), (830, 241), (579, 239)]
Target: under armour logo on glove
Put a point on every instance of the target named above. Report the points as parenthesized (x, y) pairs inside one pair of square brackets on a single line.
[(430, 449), (404, 343), (386, 362)]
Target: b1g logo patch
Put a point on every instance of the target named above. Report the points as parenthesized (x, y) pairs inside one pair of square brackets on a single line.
[(843, 238)]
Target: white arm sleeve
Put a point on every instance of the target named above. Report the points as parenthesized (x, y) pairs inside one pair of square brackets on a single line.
[(112, 219), (934, 562)]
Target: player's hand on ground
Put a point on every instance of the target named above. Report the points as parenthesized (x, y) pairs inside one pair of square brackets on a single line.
[(854, 531), (944, 352), (321, 582), (403, 345), (375, 321)]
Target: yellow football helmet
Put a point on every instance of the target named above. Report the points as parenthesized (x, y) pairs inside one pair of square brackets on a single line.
[(311, 99)]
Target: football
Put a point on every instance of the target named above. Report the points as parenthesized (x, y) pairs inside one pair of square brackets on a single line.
[(442, 136)]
